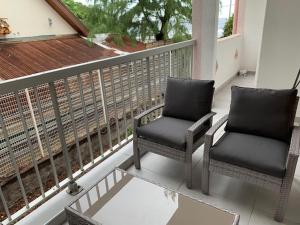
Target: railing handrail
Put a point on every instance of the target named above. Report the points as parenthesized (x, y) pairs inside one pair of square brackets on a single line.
[(64, 72)]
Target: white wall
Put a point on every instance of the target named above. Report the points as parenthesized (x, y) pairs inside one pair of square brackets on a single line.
[(204, 20), (228, 59), (280, 52), (29, 18), (251, 21)]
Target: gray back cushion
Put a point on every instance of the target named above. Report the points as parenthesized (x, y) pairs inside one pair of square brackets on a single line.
[(188, 99), (262, 112)]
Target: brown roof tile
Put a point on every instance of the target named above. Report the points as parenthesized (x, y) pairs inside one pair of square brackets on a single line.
[(25, 58)]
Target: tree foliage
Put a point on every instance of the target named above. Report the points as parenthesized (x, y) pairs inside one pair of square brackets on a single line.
[(79, 10), (160, 19), (143, 19), (228, 28)]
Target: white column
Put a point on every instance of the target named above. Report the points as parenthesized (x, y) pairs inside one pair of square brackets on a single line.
[(205, 25)]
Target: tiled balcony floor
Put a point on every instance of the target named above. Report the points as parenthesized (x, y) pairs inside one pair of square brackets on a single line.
[(254, 204)]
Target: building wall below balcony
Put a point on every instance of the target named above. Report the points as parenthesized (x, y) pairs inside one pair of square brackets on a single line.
[(228, 59)]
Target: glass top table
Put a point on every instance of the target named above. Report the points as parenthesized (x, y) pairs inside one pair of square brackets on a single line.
[(121, 198)]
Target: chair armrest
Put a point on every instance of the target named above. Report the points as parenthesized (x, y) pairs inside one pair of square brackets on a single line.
[(137, 119), (217, 126), (295, 142), (192, 130), (197, 125), (292, 160), (209, 136)]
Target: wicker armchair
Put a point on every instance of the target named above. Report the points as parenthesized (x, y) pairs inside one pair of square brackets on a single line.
[(181, 128), (258, 156)]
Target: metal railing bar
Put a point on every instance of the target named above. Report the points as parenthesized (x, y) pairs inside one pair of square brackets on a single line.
[(97, 117), (155, 85), (88, 199), (149, 82), (192, 61), (86, 123), (98, 191), (30, 146), (5, 205), (123, 103), (179, 62), (170, 64), (115, 177), (159, 78), (105, 108), (60, 130), (49, 150), (165, 72), (143, 85), (155, 81), (115, 104), (136, 88), (67, 90), (13, 160), (130, 94), (106, 184), (34, 122)]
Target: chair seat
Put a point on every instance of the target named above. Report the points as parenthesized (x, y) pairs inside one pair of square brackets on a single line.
[(168, 131), (256, 153)]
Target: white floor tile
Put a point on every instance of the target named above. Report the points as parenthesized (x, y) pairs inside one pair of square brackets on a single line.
[(166, 180)]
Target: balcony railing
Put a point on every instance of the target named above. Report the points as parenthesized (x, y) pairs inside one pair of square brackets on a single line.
[(56, 125)]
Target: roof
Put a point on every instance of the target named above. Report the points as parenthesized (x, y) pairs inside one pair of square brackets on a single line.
[(68, 16), (25, 58)]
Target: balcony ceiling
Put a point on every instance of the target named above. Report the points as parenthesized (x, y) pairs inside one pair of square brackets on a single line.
[(19, 59)]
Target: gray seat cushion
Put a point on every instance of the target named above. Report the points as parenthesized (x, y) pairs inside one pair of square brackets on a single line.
[(188, 99), (168, 131), (262, 112), (264, 155)]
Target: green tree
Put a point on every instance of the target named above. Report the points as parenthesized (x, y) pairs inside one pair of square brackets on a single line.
[(228, 28), (79, 10), (160, 19), (144, 19), (109, 16)]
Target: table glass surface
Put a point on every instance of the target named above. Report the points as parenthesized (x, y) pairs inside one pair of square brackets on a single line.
[(121, 198)]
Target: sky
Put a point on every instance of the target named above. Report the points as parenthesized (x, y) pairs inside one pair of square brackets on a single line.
[(224, 12)]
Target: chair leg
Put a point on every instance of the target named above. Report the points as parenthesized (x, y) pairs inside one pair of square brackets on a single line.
[(282, 204), (188, 173), (136, 155), (286, 189), (205, 179)]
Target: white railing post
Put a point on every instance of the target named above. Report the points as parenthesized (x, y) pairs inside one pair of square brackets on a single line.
[(73, 187), (34, 122)]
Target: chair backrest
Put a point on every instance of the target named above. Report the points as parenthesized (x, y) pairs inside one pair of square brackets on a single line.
[(188, 99), (262, 112)]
